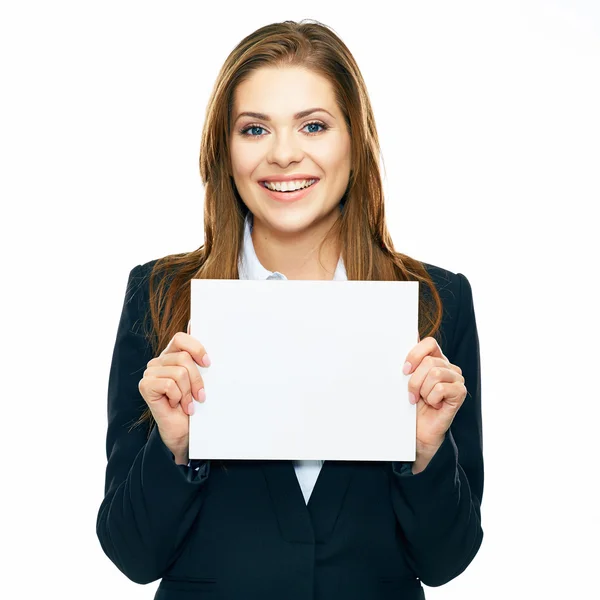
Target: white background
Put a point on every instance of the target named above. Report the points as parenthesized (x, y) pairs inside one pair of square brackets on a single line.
[(489, 119)]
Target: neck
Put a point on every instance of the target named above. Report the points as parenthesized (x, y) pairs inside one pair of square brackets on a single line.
[(296, 255)]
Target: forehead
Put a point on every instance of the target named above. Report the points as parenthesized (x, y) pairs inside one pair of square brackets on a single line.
[(280, 92)]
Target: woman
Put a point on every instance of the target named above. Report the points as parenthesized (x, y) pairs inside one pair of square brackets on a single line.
[(289, 104)]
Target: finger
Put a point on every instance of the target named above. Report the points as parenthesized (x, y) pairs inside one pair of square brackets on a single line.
[(183, 341), (447, 396), (436, 395), (426, 347), (179, 375), (455, 368), (440, 384), (188, 327), (194, 383), (417, 379), (157, 389), (175, 391)]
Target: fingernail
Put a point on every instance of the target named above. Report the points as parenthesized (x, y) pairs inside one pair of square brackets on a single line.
[(191, 408), (411, 397), (201, 395), (206, 360), (406, 368)]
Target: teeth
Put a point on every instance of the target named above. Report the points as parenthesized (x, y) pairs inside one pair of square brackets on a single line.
[(288, 186)]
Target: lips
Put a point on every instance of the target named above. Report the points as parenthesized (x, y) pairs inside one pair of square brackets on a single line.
[(292, 177), (315, 180), (289, 197)]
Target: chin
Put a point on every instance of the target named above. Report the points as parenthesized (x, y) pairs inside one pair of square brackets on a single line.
[(291, 221)]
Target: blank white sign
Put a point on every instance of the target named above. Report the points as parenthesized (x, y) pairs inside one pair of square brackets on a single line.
[(304, 370)]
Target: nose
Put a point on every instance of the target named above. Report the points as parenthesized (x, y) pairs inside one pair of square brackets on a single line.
[(285, 148)]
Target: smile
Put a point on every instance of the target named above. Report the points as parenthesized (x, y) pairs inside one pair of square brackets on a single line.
[(288, 186), (292, 195)]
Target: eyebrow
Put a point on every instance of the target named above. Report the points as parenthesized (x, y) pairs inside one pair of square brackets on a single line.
[(298, 115)]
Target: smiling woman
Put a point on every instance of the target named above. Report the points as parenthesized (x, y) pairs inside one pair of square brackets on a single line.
[(290, 161), (312, 144)]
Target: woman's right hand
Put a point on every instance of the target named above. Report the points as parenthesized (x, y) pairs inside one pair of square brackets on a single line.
[(167, 387)]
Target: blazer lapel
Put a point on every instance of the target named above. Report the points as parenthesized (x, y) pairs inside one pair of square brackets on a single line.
[(298, 521), (327, 497), (288, 501)]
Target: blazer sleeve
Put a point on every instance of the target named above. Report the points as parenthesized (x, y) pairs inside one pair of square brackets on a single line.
[(439, 509), (150, 502)]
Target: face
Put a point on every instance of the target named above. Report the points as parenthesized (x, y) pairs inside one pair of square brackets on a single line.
[(278, 144)]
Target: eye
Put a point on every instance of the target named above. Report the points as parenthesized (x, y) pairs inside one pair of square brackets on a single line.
[(245, 131), (250, 127), (318, 124)]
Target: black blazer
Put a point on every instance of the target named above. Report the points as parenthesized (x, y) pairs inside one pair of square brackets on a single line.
[(241, 530)]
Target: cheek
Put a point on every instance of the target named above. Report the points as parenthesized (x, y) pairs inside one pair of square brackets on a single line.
[(333, 156), (244, 160)]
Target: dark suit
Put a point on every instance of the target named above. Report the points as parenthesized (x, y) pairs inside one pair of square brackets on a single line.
[(244, 532)]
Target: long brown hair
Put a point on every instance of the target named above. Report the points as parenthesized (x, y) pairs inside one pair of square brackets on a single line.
[(366, 246)]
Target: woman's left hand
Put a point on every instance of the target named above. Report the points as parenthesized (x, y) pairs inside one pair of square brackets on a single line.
[(440, 389)]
